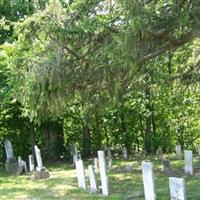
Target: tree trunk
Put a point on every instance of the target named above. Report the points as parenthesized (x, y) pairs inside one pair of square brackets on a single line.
[(86, 138)]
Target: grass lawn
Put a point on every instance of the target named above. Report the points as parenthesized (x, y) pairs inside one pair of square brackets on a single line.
[(123, 185)]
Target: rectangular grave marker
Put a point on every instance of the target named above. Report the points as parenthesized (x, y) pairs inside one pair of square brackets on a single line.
[(31, 163), (188, 159), (92, 178), (80, 174), (177, 188), (102, 168), (148, 181), (178, 151), (124, 153)]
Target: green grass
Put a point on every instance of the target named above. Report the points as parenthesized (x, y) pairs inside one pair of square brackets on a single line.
[(63, 183)]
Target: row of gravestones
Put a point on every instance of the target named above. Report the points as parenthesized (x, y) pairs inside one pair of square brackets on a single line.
[(176, 185), (12, 165)]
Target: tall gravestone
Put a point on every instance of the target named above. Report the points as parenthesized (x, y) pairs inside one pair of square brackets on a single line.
[(178, 151), (31, 163), (177, 188), (103, 175), (80, 174), (188, 159), (11, 164), (41, 172), (92, 178), (148, 181)]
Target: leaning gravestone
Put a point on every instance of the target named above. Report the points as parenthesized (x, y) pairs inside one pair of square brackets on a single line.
[(92, 178), (148, 181), (177, 188), (80, 174), (41, 172), (11, 164), (188, 159), (31, 163), (102, 168), (178, 151)]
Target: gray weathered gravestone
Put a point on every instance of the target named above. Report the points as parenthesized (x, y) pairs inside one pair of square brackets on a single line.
[(148, 181), (102, 168), (92, 178), (110, 164), (22, 168), (177, 188), (41, 172), (31, 163), (188, 159), (80, 174), (159, 153), (178, 151), (11, 163), (124, 153), (109, 154), (166, 166)]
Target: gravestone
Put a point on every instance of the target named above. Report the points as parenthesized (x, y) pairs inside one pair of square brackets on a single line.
[(166, 166), (178, 151), (124, 153), (96, 164), (110, 164), (22, 168), (148, 181), (11, 163), (76, 157), (188, 159), (41, 172), (92, 179), (80, 174), (109, 154), (31, 163), (159, 153), (177, 188), (102, 168), (128, 168)]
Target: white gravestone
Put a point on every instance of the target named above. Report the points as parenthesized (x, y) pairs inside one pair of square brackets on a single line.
[(9, 150), (102, 168), (39, 159), (80, 174), (124, 153), (31, 163), (178, 151), (177, 188), (92, 178), (188, 158), (148, 181)]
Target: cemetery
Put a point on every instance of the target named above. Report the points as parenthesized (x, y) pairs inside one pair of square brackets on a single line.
[(99, 100)]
